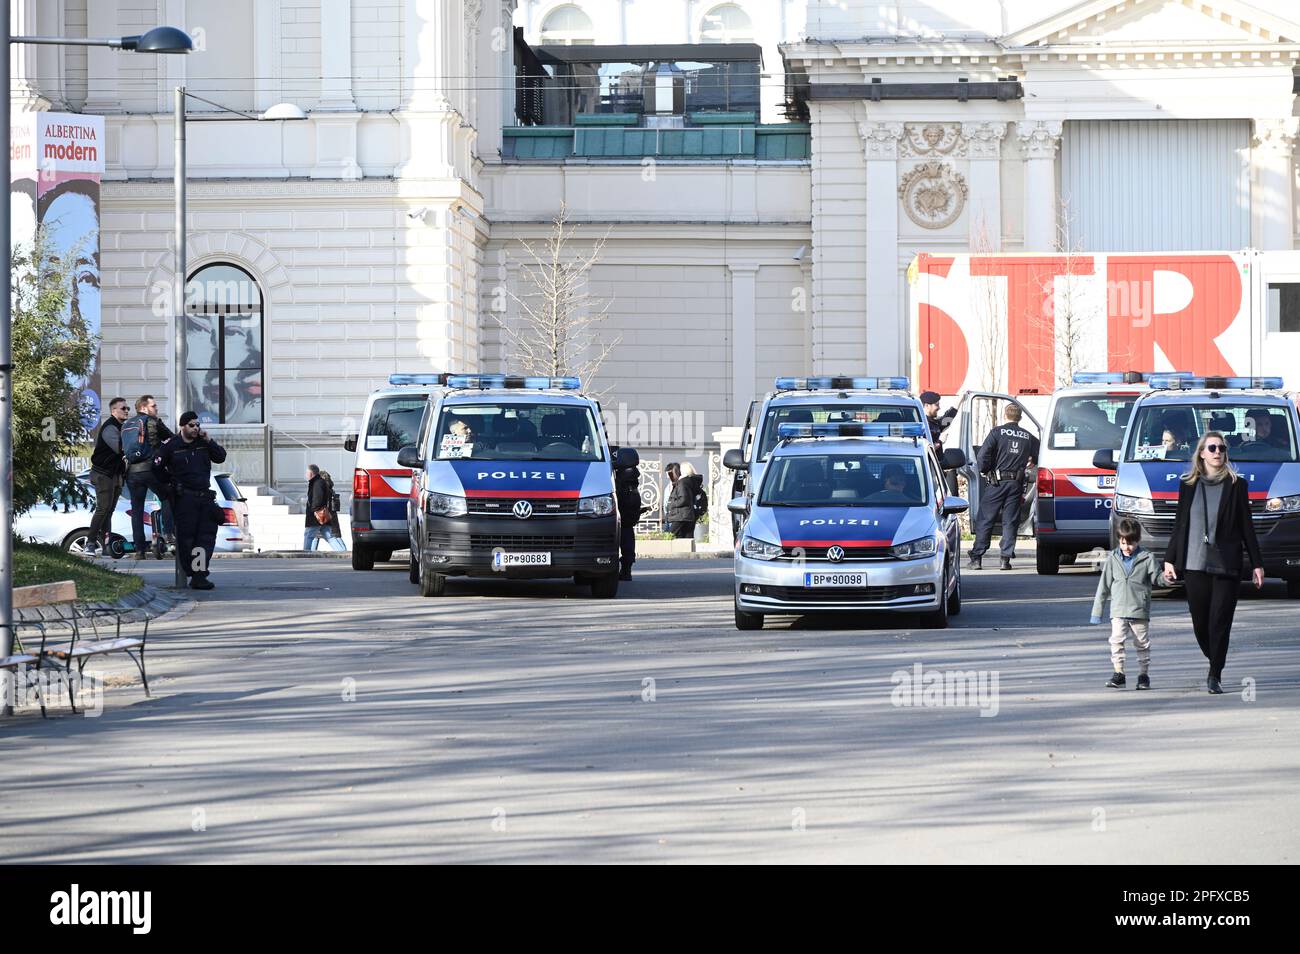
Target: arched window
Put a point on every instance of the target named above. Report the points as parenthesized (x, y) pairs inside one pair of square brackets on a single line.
[(223, 340), (567, 26), (726, 24)]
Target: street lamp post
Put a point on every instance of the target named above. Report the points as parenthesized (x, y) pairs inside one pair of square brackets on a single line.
[(158, 40), (281, 112)]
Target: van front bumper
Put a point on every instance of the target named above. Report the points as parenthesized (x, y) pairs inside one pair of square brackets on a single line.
[(465, 546)]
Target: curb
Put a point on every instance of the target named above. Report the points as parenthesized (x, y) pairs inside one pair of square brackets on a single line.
[(148, 602)]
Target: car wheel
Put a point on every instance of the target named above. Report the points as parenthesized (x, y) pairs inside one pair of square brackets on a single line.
[(432, 584), (954, 601), (363, 558), (605, 587), (938, 619), (414, 572), (77, 541), (1047, 560), (748, 620)]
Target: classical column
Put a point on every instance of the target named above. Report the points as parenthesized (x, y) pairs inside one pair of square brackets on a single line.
[(1039, 140), (336, 56), (884, 316), (24, 89), (744, 336), (504, 47), (984, 178), (1272, 149), (429, 119), (101, 62)]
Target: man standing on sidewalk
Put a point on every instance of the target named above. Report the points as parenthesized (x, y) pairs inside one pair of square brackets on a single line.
[(107, 473), (142, 438), (186, 462)]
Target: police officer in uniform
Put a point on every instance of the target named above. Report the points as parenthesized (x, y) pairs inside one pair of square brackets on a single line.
[(1003, 459), (186, 462), (938, 423), (627, 495)]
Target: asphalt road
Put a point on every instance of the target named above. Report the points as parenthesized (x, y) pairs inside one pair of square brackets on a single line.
[(303, 712)]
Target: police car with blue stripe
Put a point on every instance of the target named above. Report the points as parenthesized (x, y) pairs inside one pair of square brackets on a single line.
[(513, 477), (814, 400), (850, 517), (1260, 427)]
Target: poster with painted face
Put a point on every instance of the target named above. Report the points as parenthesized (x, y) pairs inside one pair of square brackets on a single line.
[(57, 162)]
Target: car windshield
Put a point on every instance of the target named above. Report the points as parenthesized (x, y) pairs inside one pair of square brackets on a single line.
[(1090, 422), (1253, 432), (504, 431), (844, 480), (831, 412), (394, 422)]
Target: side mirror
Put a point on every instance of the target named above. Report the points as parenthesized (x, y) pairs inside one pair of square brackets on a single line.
[(738, 505), (734, 460), (409, 456), (952, 458), (626, 457), (954, 504), (350, 443), (1104, 459)]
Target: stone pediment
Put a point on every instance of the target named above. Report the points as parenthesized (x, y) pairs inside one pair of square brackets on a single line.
[(1167, 23)]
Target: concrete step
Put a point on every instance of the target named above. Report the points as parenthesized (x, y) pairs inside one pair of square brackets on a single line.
[(277, 521)]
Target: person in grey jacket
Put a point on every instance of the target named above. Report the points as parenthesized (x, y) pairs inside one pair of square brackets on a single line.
[(1127, 577)]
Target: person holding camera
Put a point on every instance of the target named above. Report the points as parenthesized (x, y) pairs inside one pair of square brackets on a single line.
[(185, 461)]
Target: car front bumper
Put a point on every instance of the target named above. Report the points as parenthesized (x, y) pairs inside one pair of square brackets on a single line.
[(777, 586)]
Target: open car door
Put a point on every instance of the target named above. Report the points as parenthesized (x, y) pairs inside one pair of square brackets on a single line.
[(977, 413), (740, 478)]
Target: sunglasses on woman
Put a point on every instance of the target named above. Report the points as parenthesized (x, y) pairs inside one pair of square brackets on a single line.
[(1216, 448)]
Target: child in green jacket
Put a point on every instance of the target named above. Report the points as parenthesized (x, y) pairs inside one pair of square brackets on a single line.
[(1127, 577)]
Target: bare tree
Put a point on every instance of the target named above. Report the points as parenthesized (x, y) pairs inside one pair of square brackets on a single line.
[(990, 309), (1073, 315), (557, 330)]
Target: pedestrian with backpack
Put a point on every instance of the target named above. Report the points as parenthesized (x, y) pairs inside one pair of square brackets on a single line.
[(142, 438), (687, 501), (107, 474)]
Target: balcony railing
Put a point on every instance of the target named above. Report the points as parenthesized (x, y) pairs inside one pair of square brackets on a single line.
[(782, 142)]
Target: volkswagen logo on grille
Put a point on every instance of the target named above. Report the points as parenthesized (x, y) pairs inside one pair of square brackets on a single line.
[(522, 509), (835, 554)]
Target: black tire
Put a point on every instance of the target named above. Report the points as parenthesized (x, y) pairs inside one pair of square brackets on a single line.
[(604, 587), (383, 556), (117, 546), (954, 601), (1068, 559), (432, 584), (1293, 589), (938, 619), (748, 621), (76, 541), (1047, 560), (413, 573), (363, 558)]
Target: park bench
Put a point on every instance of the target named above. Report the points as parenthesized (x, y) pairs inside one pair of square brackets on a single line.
[(57, 603)]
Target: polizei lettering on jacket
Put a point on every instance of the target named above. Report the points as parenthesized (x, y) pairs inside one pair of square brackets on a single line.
[(522, 475), (838, 522)]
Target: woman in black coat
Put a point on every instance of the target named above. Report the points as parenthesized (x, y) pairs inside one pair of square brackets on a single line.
[(680, 512), (1211, 530)]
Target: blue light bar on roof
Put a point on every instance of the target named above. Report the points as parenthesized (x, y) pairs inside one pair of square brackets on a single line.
[(485, 381), (1187, 382), (852, 429), (419, 377), (829, 383), (1120, 377)]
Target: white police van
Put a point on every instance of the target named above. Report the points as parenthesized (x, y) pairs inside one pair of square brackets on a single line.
[(1261, 429), (512, 477), (850, 517), (1074, 497), (380, 486), (814, 400)]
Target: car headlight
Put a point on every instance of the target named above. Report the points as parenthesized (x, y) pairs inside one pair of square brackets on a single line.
[(444, 505), (757, 549), (1289, 504), (1126, 504), (598, 506), (914, 549)]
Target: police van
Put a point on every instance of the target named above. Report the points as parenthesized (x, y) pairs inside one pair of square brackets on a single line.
[(380, 485), (814, 400), (850, 517), (512, 477), (1260, 427), (1074, 497)]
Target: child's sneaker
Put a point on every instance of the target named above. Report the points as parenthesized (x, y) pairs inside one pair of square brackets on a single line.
[(1116, 681), (1144, 681)]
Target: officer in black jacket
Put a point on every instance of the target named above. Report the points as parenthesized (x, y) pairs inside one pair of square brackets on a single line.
[(186, 462), (627, 496), (1003, 460), (938, 423)]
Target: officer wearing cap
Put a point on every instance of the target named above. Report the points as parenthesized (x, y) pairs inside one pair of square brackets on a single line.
[(938, 424), (186, 462), (1003, 459)]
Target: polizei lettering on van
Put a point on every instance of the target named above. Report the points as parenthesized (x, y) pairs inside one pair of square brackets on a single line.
[(839, 522), (522, 475)]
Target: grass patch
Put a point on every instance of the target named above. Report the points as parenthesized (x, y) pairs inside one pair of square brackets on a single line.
[(45, 563)]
